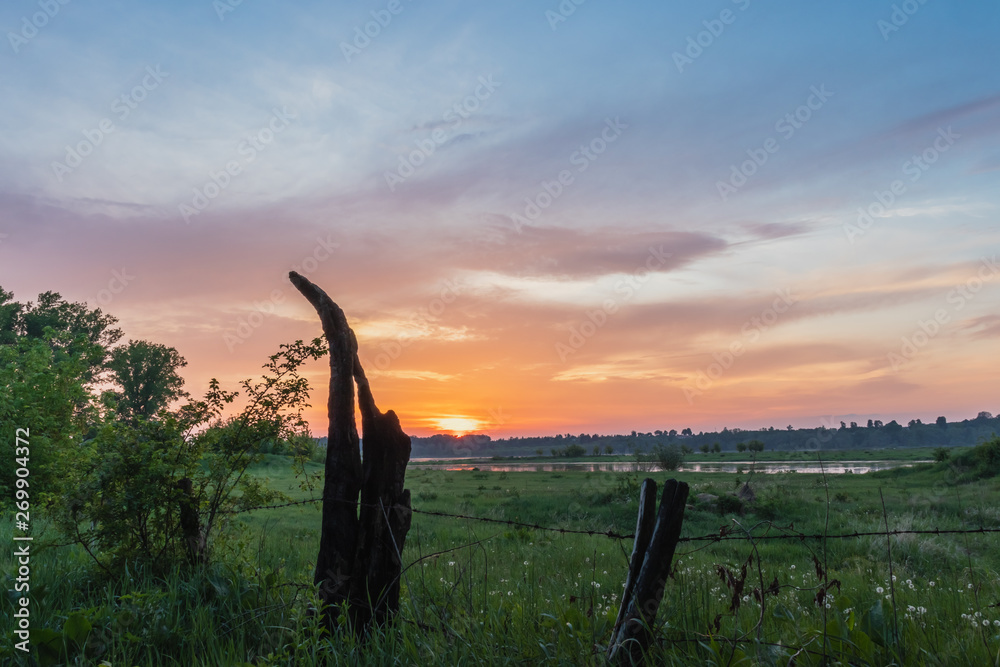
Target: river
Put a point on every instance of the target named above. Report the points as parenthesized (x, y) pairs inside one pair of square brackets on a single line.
[(768, 467)]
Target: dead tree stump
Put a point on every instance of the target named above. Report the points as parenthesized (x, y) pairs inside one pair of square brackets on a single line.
[(359, 562), (649, 567)]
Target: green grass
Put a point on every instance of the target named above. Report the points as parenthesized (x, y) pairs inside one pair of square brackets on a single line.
[(521, 596)]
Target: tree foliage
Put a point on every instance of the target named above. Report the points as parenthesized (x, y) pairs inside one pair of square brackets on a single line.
[(128, 503), (89, 333), (668, 457), (42, 389), (147, 375)]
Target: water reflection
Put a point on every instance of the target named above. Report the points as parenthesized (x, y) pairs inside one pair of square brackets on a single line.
[(836, 468)]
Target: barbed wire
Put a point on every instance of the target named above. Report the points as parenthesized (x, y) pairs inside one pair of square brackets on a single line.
[(720, 536)]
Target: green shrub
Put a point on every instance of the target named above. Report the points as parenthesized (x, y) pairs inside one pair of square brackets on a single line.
[(988, 457), (727, 504), (668, 457)]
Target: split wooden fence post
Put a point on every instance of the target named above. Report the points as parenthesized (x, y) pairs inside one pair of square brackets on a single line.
[(649, 567), (359, 562)]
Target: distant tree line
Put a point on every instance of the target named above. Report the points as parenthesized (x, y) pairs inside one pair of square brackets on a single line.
[(873, 435)]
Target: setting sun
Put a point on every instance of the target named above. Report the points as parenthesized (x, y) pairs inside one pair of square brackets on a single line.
[(457, 425)]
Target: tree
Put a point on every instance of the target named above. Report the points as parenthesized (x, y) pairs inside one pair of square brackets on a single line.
[(716, 447), (10, 314), (90, 333), (941, 422), (984, 415), (755, 445), (147, 375), (686, 431), (704, 448), (42, 389), (608, 449), (51, 352), (741, 447)]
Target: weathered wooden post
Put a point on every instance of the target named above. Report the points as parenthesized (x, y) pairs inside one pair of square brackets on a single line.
[(359, 560), (194, 535), (649, 567)]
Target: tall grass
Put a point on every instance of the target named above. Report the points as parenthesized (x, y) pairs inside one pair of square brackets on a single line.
[(495, 594)]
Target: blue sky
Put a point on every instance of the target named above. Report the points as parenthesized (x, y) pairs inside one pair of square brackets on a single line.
[(297, 143)]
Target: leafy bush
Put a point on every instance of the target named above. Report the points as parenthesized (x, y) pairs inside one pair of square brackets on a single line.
[(727, 504), (668, 457), (981, 461), (42, 390), (988, 457), (156, 490)]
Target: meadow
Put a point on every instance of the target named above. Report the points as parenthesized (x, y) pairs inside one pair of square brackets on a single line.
[(496, 593)]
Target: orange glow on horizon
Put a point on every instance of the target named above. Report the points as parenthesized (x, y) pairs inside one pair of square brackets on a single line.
[(455, 425)]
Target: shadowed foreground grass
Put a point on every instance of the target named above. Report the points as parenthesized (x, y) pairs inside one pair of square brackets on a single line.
[(498, 594)]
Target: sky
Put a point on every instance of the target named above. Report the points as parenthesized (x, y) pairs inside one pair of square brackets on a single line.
[(539, 217)]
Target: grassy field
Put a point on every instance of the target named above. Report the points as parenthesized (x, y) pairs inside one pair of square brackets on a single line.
[(499, 594)]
